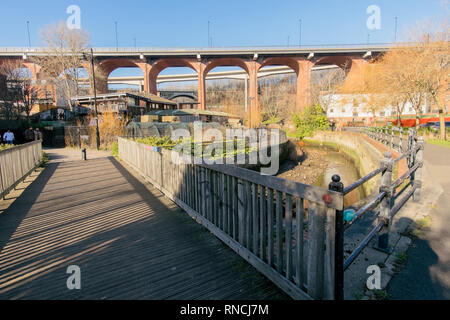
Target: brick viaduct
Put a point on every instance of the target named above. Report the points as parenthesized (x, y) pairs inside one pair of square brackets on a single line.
[(151, 64)]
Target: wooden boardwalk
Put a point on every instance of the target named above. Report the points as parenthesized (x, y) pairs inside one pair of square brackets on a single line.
[(129, 241)]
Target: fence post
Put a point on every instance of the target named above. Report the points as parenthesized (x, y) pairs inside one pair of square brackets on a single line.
[(386, 204), (338, 186), (418, 174), (392, 138)]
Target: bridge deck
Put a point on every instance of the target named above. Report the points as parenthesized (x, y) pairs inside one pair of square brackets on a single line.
[(129, 241)]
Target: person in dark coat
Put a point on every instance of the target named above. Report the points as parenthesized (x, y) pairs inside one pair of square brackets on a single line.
[(29, 135)]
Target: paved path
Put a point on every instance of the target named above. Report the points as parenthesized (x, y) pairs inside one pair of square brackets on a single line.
[(128, 239), (427, 272)]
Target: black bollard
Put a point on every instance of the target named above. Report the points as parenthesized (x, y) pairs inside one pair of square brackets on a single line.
[(338, 186), (83, 154)]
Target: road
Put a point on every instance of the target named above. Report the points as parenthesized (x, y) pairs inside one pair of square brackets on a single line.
[(427, 272)]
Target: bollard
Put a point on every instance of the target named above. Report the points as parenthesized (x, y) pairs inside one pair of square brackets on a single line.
[(417, 182), (83, 154), (338, 186), (386, 204)]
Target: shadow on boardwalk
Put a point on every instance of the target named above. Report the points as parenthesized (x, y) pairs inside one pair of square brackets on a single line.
[(129, 241)]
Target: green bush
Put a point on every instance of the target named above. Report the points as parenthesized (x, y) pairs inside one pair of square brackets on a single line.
[(5, 146), (115, 149), (311, 119)]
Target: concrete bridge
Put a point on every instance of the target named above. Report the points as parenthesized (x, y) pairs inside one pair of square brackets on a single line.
[(152, 61)]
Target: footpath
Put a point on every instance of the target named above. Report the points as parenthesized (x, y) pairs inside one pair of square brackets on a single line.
[(426, 273)]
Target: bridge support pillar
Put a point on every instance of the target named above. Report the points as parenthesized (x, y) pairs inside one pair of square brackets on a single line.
[(254, 112), (355, 73), (202, 87), (303, 95)]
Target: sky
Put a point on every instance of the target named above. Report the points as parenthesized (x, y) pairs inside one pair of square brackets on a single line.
[(184, 23)]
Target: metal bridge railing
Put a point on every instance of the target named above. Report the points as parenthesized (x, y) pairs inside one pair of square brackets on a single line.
[(386, 200)]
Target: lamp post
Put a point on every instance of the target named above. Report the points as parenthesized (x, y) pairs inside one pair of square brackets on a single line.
[(28, 31), (300, 32), (97, 131), (117, 38)]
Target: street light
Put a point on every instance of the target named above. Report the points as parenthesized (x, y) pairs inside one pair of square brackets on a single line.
[(97, 131), (117, 39), (300, 32), (28, 30)]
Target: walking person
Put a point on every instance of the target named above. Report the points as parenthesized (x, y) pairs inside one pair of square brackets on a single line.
[(29, 135), (37, 134), (8, 137)]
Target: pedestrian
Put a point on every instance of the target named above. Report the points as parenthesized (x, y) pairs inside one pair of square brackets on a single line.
[(8, 137), (29, 135), (37, 134)]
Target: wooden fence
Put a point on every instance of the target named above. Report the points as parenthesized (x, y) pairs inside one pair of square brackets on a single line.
[(285, 229), (17, 162)]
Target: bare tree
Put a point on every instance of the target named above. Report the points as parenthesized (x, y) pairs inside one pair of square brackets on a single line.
[(64, 57), (18, 97), (326, 86)]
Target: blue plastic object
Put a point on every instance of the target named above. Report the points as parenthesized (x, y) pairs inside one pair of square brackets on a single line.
[(349, 214)]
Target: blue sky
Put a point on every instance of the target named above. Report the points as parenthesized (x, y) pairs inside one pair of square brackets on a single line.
[(184, 23), (171, 23)]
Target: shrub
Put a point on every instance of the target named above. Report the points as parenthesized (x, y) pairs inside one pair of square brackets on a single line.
[(115, 149), (311, 119)]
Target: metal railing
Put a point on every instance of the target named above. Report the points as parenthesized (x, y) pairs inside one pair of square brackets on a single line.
[(387, 198), (17, 162), (279, 226)]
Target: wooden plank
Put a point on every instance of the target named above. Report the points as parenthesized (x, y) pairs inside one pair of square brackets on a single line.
[(329, 252), (270, 208), (248, 213), (262, 226), (261, 266), (288, 236), (279, 226), (255, 215), (203, 194), (235, 207), (241, 210), (316, 219), (224, 202), (299, 219)]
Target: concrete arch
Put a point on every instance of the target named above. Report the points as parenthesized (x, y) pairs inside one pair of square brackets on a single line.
[(250, 66), (109, 65), (343, 62), (186, 95), (159, 65), (352, 65), (281, 61), (226, 62)]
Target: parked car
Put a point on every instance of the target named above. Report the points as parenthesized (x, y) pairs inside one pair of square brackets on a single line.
[(434, 125)]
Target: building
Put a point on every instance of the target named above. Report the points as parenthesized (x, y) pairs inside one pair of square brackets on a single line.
[(125, 102), (346, 109)]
